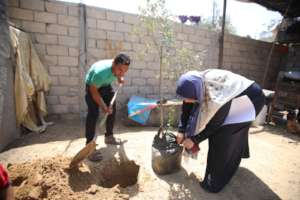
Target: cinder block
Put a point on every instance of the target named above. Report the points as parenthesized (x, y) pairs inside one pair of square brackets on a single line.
[(123, 27), (194, 38), (181, 36), (73, 52), (74, 31), (46, 38), (16, 22), (18, 13), (96, 34), (131, 19), (45, 17), (69, 99), (133, 73), (68, 20), (74, 91), (74, 71), (97, 13), (33, 4), (105, 25), (188, 29), (57, 70), (54, 7), (91, 23), (68, 61), (51, 60), (138, 47), (130, 90), (52, 100), (152, 81), (146, 90), (73, 11), (68, 41), (56, 29), (40, 48), (91, 43), (114, 16), (56, 50), (14, 3), (54, 81), (187, 45), (96, 53), (115, 36), (153, 65), (58, 90), (148, 73), (126, 46), (138, 81), (68, 81), (103, 44), (177, 27), (58, 109), (130, 37), (34, 27)]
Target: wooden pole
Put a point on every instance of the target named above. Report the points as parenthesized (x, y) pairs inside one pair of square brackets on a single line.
[(221, 39)]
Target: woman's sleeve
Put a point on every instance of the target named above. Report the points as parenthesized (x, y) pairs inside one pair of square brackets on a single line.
[(186, 110), (214, 124)]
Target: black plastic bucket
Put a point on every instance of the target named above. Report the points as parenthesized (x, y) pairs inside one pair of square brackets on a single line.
[(166, 153)]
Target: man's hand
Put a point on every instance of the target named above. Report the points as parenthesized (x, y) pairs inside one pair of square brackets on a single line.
[(188, 143), (179, 138), (121, 80), (107, 110)]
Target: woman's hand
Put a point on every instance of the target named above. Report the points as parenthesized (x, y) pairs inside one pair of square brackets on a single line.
[(179, 138), (188, 143)]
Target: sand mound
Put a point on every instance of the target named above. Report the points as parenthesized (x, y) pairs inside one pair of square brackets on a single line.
[(52, 179)]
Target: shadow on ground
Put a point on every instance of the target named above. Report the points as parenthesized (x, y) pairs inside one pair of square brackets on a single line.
[(244, 185), (69, 130)]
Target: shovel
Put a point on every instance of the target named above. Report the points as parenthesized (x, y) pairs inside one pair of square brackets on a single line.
[(91, 146)]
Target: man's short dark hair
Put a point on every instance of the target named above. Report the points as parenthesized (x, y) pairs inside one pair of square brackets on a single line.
[(122, 59)]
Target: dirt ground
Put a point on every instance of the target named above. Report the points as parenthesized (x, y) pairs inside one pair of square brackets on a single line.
[(38, 166)]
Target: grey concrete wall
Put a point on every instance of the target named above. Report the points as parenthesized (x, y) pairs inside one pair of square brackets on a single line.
[(8, 129), (54, 27)]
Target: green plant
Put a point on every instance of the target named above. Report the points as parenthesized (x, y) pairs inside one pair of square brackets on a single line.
[(157, 33)]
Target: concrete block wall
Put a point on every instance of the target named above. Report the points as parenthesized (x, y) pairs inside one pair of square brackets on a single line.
[(249, 57), (54, 27)]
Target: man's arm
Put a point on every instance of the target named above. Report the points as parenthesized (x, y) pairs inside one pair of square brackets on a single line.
[(97, 98)]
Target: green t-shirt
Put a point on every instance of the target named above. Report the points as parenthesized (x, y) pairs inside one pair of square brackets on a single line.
[(100, 74)]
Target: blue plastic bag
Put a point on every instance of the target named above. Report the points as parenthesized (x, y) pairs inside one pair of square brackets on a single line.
[(139, 108)]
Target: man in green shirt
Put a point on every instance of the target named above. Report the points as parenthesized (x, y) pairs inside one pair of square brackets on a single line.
[(99, 93)]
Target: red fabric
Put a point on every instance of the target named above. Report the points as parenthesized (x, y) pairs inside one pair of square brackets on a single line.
[(3, 178)]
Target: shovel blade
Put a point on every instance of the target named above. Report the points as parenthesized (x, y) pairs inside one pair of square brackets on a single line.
[(83, 153)]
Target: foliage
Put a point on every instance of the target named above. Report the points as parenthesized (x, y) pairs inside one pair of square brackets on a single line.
[(157, 31)]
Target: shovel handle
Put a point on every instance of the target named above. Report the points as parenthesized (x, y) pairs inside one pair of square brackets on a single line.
[(110, 105)]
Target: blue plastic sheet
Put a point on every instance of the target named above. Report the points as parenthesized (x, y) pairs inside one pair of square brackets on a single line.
[(137, 104)]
